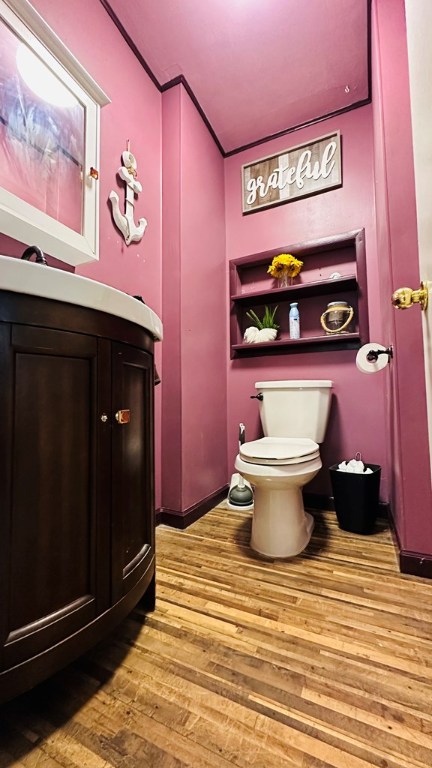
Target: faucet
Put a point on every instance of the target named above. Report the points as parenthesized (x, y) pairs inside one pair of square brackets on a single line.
[(34, 249)]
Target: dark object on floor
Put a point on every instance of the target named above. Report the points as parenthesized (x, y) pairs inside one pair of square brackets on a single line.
[(356, 498), (240, 493)]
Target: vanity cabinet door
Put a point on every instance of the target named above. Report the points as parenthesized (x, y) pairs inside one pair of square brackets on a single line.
[(48, 525), (132, 468)]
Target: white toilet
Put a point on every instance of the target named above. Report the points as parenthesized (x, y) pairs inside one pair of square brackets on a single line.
[(294, 416)]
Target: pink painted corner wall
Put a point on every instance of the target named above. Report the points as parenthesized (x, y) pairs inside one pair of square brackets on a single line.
[(194, 301), (204, 344), (171, 458), (135, 113), (357, 421)]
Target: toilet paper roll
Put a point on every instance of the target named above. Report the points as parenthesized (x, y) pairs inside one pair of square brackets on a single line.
[(363, 363)]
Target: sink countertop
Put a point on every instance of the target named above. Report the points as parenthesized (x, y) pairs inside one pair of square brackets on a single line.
[(33, 279)]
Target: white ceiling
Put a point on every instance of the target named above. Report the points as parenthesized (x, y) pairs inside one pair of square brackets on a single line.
[(256, 67)]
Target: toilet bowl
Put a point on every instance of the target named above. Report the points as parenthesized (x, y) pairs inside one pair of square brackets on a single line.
[(280, 526), (280, 464)]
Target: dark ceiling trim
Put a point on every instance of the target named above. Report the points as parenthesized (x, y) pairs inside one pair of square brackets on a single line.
[(114, 18), (181, 80), (320, 119), (369, 48), (327, 116)]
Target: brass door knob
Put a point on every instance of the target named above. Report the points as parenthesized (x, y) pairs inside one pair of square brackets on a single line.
[(404, 298)]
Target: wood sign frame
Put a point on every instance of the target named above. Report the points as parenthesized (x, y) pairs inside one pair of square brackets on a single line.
[(303, 170)]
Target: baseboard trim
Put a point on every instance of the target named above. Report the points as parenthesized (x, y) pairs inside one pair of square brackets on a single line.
[(321, 501), (177, 519), (182, 520), (415, 564), (410, 563)]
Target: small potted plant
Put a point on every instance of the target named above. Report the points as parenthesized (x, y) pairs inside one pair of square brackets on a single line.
[(264, 329)]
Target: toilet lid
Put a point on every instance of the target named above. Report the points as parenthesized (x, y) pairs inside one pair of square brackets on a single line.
[(279, 450)]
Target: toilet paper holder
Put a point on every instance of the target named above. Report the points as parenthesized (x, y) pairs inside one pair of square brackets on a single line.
[(372, 355)]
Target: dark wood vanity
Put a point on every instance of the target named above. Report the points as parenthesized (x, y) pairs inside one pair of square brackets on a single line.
[(77, 538)]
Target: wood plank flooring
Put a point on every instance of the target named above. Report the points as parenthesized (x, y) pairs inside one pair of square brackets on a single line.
[(321, 661)]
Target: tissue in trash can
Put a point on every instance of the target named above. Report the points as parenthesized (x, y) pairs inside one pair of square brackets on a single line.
[(356, 466)]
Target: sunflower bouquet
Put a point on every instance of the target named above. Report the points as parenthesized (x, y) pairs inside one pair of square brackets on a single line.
[(285, 266)]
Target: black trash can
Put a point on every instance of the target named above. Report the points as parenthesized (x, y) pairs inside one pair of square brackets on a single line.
[(356, 498)]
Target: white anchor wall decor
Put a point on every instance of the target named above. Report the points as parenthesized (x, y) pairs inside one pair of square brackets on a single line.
[(131, 231)]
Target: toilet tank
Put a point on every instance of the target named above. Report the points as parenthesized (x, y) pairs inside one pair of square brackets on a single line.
[(295, 408)]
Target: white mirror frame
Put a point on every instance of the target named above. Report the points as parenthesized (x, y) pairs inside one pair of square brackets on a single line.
[(19, 219)]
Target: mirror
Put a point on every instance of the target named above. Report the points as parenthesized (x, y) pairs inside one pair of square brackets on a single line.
[(49, 125)]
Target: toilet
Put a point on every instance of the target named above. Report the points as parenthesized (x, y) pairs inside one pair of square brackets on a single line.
[(294, 416)]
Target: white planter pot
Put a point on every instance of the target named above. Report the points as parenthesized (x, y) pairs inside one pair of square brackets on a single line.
[(253, 336), (266, 334)]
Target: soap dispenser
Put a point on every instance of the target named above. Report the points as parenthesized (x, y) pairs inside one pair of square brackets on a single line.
[(294, 321)]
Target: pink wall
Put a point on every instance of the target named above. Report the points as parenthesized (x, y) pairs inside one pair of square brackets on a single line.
[(397, 236), (171, 458), (193, 311), (194, 301), (377, 415), (357, 417), (134, 113)]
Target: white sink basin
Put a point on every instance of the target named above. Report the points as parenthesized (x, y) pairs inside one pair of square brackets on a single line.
[(40, 280)]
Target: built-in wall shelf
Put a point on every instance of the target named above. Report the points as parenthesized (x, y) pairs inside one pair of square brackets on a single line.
[(299, 290), (306, 344), (251, 287)]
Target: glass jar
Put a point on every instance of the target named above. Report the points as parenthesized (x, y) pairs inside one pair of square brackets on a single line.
[(337, 317)]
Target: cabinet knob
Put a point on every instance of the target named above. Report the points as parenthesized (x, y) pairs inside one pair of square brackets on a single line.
[(123, 417), (104, 418)]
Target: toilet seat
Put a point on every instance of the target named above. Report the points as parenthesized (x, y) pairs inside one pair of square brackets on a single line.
[(276, 451)]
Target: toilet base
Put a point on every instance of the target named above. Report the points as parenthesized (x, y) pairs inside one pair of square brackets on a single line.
[(280, 526)]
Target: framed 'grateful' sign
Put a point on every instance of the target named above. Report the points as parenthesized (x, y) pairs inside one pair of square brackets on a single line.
[(302, 170)]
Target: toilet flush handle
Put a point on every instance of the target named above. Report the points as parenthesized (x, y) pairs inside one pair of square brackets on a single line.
[(259, 396)]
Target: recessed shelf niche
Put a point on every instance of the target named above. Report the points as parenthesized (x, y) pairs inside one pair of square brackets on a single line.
[(251, 287)]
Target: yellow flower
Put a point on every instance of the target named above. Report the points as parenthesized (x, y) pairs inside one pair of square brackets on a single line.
[(285, 264)]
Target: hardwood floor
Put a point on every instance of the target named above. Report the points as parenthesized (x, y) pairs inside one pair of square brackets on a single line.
[(324, 660)]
